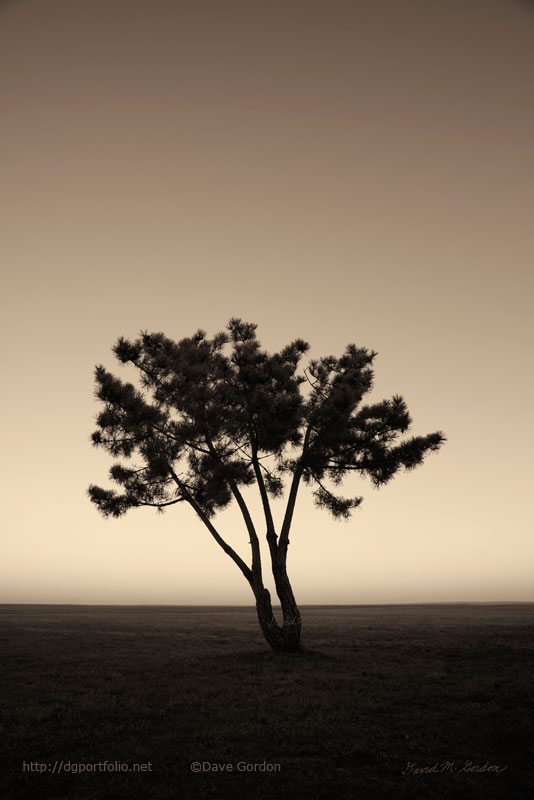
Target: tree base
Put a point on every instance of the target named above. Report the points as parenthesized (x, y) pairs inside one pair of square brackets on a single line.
[(281, 638)]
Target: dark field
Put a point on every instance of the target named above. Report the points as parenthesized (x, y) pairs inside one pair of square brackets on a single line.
[(376, 688)]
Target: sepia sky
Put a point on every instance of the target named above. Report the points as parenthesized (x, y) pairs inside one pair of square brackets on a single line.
[(338, 171)]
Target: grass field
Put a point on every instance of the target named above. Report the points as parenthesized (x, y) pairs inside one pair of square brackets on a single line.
[(377, 688)]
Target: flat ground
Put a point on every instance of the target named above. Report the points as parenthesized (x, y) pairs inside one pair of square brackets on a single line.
[(377, 688)]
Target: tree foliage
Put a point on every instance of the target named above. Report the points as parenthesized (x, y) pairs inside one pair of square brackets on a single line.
[(214, 415)]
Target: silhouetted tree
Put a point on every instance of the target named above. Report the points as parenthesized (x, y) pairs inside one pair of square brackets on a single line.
[(216, 415)]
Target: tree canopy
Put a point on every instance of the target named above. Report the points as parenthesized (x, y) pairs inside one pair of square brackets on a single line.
[(216, 413)]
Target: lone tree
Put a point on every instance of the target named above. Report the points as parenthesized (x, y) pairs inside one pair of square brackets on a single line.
[(215, 415)]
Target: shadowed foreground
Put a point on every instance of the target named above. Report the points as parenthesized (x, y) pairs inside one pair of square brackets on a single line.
[(377, 687)]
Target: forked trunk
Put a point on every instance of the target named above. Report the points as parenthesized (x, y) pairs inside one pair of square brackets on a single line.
[(282, 638)]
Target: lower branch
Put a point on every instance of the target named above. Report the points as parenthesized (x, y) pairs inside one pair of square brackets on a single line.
[(245, 569)]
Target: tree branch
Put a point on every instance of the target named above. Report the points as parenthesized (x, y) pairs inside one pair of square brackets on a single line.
[(271, 533), (283, 541), (245, 569), (161, 505), (254, 541)]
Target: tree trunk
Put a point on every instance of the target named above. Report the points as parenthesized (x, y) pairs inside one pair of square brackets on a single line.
[(290, 611), (285, 638)]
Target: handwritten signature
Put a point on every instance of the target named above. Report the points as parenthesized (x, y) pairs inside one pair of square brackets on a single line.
[(412, 768)]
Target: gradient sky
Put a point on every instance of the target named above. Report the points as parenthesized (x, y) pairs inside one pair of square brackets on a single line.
[(338, 171)]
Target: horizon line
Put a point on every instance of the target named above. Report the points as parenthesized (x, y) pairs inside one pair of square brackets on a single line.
[(252, 606)]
